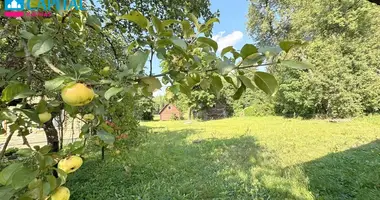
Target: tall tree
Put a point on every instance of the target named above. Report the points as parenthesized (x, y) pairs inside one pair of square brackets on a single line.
[(343, 46)]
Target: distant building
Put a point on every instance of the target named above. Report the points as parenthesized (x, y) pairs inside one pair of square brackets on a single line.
[(169, 112)]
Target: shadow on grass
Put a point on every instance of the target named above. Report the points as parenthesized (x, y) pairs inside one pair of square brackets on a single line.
[(351, 174), (168, 166)]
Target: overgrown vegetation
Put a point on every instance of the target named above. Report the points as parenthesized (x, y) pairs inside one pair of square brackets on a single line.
[(343, 45)]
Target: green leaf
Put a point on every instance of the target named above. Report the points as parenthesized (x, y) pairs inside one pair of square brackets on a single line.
[(8, 115), (161, 53), (25, 152), (253, 59), (40, 44), (49, 161), (175, 89), (230, 81), (179, 42), (152, 82), (42, 106), (188, 31), (94, 22), (23, 177), (247, 82), (239, 92), (46, 189), (216, 83), (226, 50), (248, 50), (7, 173), (31, 114), (288, 45), (136, 17), (34, 184), (72, 110), (26, 35), (24, 94), (163, 42), (52, 181), (270, 50), (62, 176), (157, 24), (211, 21), (45, 149), (205, 84), (235, 54), (112, 92), (266, 82), (84, 70), (55, 83), (297, 64), (224, 67), (169, 22), (6, 192), (192, 80), (185, 89), (137, 60), (209, 42), (106, 137), (194, 19), (15, 91)]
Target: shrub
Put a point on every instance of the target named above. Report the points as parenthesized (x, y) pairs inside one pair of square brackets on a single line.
[(259, 109)]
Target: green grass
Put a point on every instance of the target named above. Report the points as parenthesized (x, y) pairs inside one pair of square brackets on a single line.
[(241, 158)]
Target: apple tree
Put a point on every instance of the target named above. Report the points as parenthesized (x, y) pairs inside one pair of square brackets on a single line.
[(83, 64)]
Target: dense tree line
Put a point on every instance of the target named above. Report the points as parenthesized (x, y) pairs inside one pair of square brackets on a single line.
[(343, 45)]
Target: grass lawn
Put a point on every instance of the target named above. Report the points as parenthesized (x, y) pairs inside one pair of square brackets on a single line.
[(241, 158)]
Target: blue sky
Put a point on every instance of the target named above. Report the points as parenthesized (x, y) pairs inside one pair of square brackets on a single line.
[(232, 28), (231, 31)]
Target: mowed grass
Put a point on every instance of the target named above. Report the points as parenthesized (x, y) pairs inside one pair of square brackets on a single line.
[(241, 158)]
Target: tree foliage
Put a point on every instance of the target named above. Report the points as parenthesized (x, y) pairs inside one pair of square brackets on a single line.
[(343, 47)]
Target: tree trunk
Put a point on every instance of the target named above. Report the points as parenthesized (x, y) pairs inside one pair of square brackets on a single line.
[(103, 150), (51, 135)]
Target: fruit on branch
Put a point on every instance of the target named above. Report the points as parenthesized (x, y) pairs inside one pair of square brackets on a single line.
[(61, 193), (70, 164), (105, 71), (44, 117), (77, 94)]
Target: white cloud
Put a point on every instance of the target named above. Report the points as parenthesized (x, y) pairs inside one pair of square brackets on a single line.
[(228, 40)]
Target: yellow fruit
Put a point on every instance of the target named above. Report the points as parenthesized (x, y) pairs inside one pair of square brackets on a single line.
[(70, 164), (77, 94), (61, 193), (44, 117), (88, 117)]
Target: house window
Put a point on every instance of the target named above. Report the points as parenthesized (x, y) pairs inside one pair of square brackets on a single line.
[(170, 107)]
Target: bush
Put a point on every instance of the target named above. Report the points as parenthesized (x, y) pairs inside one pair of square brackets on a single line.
[(259, 109)]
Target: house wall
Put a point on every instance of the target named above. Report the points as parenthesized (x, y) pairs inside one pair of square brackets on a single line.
[(168, 112)]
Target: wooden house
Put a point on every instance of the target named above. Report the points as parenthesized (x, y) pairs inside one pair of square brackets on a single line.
[(169, 112)]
